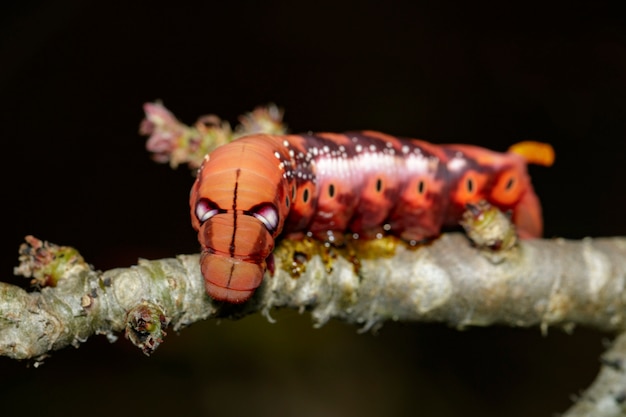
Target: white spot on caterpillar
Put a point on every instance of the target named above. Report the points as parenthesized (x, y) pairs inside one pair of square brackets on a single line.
[(386, 227), (405, 149), (373, 148), (358, 148), (457, 163), (285, 144), (326, 149), (388, 144), (277, 155)]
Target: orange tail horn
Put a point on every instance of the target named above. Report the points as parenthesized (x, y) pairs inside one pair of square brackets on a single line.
[(537, 153)]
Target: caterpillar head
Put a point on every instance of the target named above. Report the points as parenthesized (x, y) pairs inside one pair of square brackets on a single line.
[(236, 209), (235, 245)]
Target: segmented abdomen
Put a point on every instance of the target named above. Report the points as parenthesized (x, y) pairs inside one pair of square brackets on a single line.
[(366, 183)]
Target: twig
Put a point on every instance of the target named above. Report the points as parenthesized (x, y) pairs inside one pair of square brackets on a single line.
[(606, 397)]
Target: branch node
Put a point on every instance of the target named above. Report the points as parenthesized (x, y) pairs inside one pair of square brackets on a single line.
[(490, 230), (47, 263), (145, 326)]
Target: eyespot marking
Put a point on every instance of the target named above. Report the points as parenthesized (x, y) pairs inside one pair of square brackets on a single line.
[(267, 214), (509, 184), (379, 185), (205, 209), (421, 187)]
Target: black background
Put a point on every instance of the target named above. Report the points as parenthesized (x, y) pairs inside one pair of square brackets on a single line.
[(74, 76)]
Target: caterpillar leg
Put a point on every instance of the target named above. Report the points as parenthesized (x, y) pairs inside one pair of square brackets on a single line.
[(527, 216)]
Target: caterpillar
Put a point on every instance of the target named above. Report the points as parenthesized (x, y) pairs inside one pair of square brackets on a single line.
[(260, 187)]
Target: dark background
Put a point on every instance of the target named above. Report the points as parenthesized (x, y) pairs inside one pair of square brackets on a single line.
[(74, 76)]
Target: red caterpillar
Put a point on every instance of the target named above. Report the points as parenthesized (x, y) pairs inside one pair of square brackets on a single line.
[(258, 187)]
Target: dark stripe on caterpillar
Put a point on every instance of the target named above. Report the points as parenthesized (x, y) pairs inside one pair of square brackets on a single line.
[(232, 240), (325, 184)]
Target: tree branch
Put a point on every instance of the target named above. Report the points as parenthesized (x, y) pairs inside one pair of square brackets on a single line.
[(541, 282)]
